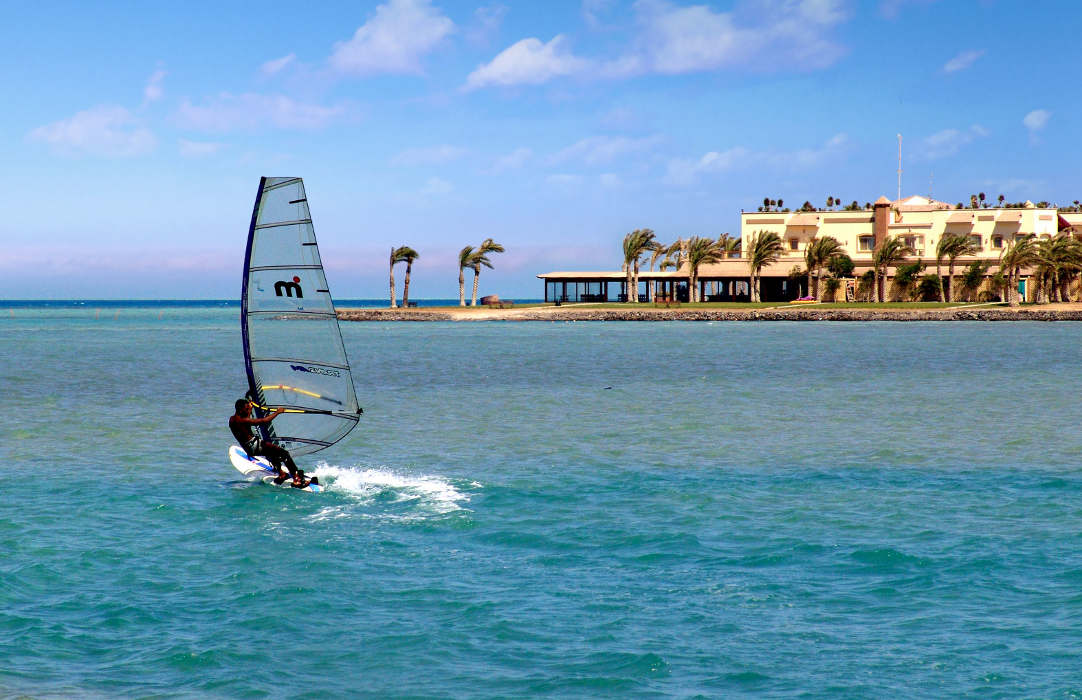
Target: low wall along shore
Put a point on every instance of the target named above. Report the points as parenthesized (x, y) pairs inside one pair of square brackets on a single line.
[(1057, 312)]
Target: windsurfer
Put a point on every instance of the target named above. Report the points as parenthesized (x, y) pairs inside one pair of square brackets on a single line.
[(240, 425)]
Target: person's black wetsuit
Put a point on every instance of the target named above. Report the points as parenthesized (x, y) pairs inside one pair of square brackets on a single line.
[(256, 447)]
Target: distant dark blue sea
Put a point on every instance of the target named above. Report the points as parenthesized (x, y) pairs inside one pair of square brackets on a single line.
[(844, 510)]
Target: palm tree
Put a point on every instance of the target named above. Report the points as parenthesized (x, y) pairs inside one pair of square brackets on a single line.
[(820, 252), (764, 248), (1058, 258), (398, 255), (636, 243), (464, 256), (1021, 252), (890, 251), (479, 258), (409, 255), (701, 251), (729, 245), (961, 246)]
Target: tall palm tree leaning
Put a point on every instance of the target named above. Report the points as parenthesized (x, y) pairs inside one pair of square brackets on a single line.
[(1021, 252), (889, 252), (635, 245), (409, 255), (764, 248), (657, 250), (701, 251), (464, 256), (961, 246), (398, 255), (479, 258), (819, 252)]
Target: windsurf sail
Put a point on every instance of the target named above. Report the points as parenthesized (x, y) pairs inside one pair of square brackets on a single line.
[(293, 350)]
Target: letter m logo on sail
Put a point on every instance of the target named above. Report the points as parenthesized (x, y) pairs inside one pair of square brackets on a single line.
[(283, 288)]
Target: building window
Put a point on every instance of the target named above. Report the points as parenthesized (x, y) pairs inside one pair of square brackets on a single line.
[(976, 241), (997, 241), (794, 244), (866, 243)]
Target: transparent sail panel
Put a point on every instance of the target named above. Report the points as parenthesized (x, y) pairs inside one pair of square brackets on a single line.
[(294, 350)]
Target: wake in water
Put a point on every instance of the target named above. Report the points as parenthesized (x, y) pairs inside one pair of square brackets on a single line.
[(408, 496)]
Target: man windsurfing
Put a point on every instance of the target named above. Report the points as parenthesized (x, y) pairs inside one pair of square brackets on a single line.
[(240, 424)]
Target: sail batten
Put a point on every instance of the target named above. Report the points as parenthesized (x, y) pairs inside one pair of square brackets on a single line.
[(302, 367)]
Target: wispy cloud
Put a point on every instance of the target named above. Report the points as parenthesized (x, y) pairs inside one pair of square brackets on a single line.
[(394, 41), (564, 180), (486, 23), (602, 149), (1036, 120), (687, 171), (672, 39), (511, 161), (434, 155), (103, 131), (436, 187), (277, 65), (962, 61), (198, 149), (892, 9), (592, 10), (948, 142), (226, 112), (154, 89), (527, 62)]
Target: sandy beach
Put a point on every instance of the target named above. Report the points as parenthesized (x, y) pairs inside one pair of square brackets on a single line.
[(648, 312)]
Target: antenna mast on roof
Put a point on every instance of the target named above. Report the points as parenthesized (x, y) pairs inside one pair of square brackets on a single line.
[(899, 166)]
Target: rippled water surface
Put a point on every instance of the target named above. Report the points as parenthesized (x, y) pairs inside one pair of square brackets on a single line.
[(548, 509)]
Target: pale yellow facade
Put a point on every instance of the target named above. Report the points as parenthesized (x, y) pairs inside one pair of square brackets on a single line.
[(918, 221)]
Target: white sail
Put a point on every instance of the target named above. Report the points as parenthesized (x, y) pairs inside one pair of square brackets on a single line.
[(293, 348)]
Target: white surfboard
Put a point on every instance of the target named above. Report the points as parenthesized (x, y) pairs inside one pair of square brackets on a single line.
[(259, 468)]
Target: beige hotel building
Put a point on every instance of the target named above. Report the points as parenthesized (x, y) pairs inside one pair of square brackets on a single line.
[(919, 221)]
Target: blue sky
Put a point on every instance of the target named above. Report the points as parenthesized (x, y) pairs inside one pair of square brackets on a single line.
[(134, 134)]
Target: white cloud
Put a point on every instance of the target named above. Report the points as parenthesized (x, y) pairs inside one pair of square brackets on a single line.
[(672, 39), (153, 90), (687, 171), (1037, 119), (276, 65), (610, 180), (891, 9), (198, 149), (486, 23), (593, 9), (602, 149), (436, 187), (512, 161), (104, 131), (694, 38), (428, 156), (527, 62), (394, 40), (564, 180), (225, 112), (949, 141), (962, 61)]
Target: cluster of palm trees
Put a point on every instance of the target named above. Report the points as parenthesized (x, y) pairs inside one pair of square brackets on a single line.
[(1056, 261), (474, 259), (468, 257), (695, 252)]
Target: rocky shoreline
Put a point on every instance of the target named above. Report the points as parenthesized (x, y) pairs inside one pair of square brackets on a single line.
[(652, 314)]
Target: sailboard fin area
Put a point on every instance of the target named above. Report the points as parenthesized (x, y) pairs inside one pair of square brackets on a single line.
[(293, 349)]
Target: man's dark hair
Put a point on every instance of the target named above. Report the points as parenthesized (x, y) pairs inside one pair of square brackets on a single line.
[(239, 405)]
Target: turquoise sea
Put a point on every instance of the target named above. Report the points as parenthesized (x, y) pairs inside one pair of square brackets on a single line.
[(841, 510)]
